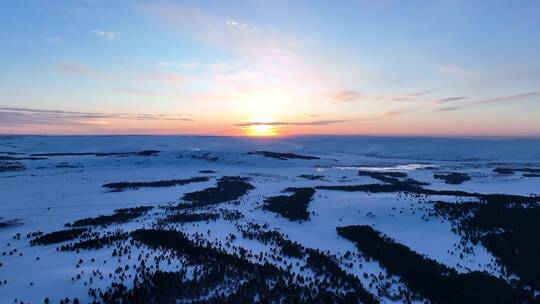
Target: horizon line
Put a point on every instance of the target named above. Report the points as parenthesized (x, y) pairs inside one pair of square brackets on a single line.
[(456, 136)]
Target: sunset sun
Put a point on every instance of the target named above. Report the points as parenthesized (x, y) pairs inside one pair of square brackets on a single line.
[(261, 127), (262, 130)]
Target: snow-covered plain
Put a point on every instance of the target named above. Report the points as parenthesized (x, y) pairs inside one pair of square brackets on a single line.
[(57, 190)]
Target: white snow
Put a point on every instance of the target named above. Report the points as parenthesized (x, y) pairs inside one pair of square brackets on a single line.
[(45, 197)]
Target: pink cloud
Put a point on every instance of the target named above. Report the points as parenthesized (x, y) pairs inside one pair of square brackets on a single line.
[(75, 69)]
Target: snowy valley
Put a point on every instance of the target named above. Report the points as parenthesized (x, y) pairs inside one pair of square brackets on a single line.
[(171, 219)]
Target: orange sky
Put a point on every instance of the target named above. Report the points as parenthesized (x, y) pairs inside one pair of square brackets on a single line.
[(271, 68)]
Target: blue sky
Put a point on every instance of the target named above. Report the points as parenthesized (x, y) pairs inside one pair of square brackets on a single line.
[(270, 67)]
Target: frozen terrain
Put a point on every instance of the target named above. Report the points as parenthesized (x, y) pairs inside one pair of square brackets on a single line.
[(217, 219)]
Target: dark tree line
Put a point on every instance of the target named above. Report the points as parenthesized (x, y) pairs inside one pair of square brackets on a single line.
[(58, 236), (282, 156), (431, 279), (454, 178), (119, 216), (100, 154), (246, 282), (510, 229), (393, 178), (96, 241), (228, 188), (119, 186), (294, 207)]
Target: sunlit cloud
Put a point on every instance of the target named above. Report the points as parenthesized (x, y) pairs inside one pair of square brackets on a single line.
[(292, 123), (404, 111), (410, 96), (345, 96)]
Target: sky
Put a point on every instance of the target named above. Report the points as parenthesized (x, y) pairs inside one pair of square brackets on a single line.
[(270, 68)]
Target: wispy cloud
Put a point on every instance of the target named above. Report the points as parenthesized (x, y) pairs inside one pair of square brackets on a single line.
[(234, 35), (458, 71), (140, 75), (449, 99), (242, 77), (420, 93), (53, 39), (394, 112), (509, 98), (75, 69), (448, 109), (292, 123), (345, 96), (241, 26), (226, 66), (514, 97), (172, 79), (109, 35), (180, 65), (404, 111), (284, 57), (411, 96), (135, 92), (33, 116)]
